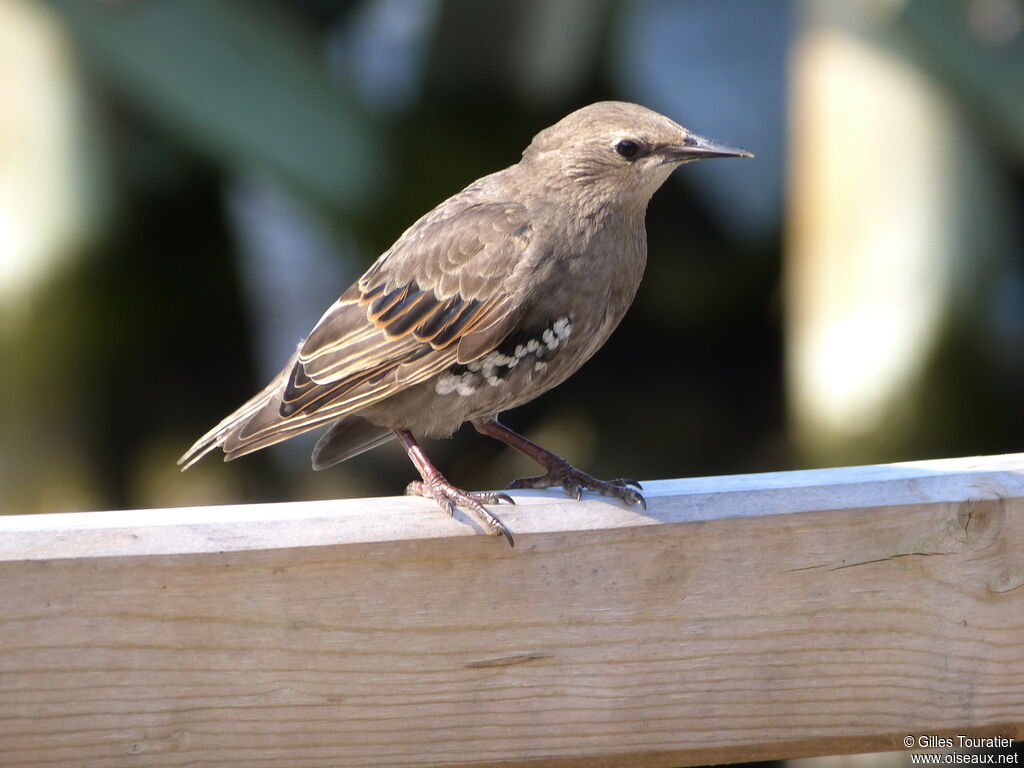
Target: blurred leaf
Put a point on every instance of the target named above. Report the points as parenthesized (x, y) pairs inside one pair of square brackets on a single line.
[(238, 83), (966, 46)]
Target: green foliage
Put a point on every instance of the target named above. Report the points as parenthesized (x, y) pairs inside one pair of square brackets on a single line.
[(239, 82)]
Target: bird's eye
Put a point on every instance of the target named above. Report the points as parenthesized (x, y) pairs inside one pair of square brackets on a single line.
[(628, 149)]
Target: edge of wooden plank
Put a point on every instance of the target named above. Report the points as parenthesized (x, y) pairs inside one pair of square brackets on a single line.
[(231, 528)]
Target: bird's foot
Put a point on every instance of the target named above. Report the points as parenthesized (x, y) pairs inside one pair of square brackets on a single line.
[(448, 497), (574, 482)]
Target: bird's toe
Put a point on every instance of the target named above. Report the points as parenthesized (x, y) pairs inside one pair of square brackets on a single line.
[(493, 497), (532, 483), (448, 497), (630, 496)]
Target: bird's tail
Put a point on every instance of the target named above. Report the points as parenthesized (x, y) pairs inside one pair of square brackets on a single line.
[(246, 430), (259, 423), (346, 438)]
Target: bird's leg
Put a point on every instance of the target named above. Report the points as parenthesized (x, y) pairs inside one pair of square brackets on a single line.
[(436, 487), (559, 471)]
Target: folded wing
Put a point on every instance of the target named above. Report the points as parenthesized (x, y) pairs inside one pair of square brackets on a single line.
[(439, 296)]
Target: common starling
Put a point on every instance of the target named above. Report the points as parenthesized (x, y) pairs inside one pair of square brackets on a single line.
[(495, 296)]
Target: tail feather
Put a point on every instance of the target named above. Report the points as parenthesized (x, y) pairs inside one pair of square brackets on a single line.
[(263, 421), (346, 438), (264, 403), (259, 422)]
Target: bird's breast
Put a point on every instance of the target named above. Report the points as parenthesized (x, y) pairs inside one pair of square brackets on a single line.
[(571, 301), (523, 357)]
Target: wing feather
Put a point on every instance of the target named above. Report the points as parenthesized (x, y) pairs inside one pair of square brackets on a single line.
[(442, 294)]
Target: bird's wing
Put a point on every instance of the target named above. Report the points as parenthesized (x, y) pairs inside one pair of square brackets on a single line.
[(440, 295)]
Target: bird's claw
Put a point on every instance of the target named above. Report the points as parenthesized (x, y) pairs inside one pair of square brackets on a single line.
[(492, 497), (574, 482), (448, 497)]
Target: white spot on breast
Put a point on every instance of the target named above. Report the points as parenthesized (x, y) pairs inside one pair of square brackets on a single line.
[(557, 333), (491, 362), (446, 384), (495, 368), (450, 382)]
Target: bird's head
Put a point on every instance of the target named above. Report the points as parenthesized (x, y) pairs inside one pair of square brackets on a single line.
[(625, 150)]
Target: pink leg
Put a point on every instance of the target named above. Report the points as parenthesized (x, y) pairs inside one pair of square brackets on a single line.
[(435, 486), (559, 471)]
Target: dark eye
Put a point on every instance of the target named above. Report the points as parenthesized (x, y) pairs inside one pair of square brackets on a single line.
[(628, 149)]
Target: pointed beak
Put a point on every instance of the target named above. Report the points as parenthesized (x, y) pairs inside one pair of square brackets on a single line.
[(698, 148)]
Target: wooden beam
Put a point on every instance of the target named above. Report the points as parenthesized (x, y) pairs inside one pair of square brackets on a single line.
[(740, 618)]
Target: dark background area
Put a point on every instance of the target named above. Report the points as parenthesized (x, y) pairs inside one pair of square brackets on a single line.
[(190, 184)]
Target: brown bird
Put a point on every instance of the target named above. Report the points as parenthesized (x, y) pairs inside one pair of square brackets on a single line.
[(495, 296)]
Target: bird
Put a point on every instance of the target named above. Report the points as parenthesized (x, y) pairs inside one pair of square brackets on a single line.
[(492, 298)]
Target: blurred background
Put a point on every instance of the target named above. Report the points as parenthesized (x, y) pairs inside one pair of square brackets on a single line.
[(185, 186)]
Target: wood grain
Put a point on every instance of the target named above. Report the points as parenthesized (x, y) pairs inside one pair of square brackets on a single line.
[(741, 618)]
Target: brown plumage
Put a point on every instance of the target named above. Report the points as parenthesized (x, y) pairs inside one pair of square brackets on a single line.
[(490, 299)]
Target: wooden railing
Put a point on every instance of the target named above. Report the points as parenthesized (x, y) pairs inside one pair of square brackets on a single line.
[(739, 618)]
